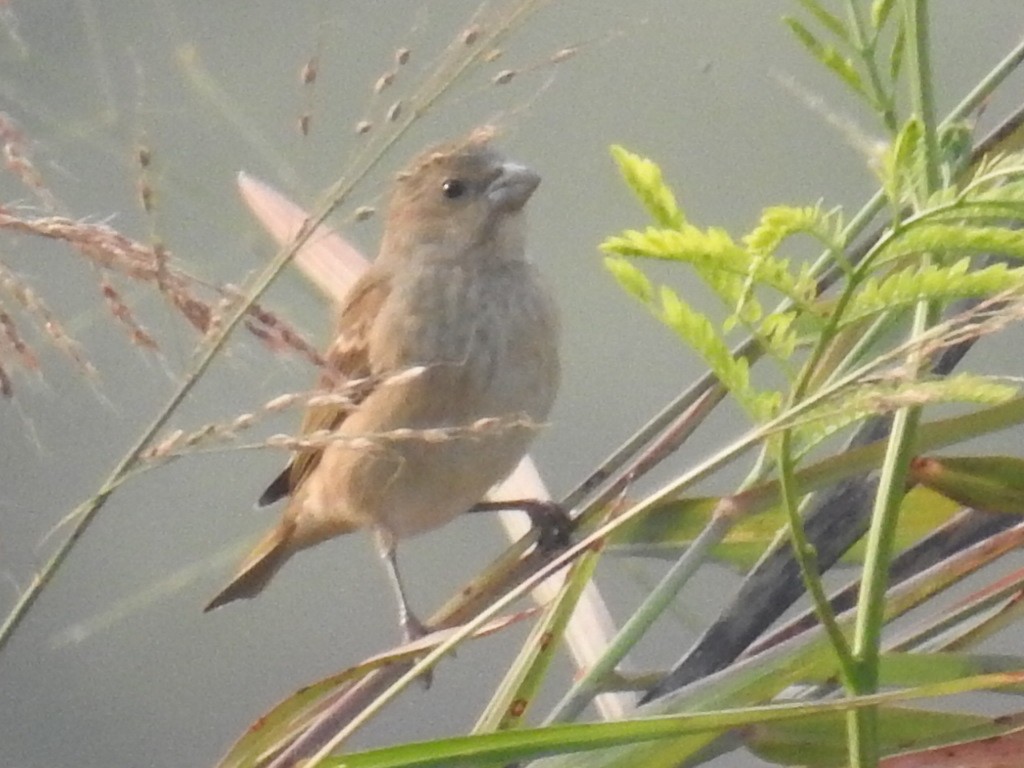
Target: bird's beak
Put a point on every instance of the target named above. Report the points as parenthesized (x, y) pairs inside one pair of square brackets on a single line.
[(512, 187)]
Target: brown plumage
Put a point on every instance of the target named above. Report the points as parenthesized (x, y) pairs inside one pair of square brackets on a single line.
[(452, 294)]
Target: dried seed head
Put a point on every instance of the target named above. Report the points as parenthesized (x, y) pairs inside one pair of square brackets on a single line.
[(279, 441), (565, 53), (18, 161), (402, 56), (503, 77), (309, 71), (160, 255), (363, 127), (123, 314), (165, 446), (383, 82), (147, 196), (243, 421), (281, 402), (13, 337)]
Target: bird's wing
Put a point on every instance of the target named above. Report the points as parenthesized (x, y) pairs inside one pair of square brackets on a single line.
[(346, 359)]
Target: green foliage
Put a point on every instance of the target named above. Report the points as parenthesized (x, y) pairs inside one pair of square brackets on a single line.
[(740, 271), (929, 282), (779, 222), (644, 178), (991, 483), (630, 278), (699, 333), (952, 232), (876, 398), (898, 168), (880, 10), (842, 66), (951, 240)]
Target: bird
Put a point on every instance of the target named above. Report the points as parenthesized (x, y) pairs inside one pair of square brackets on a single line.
[(450, 325)]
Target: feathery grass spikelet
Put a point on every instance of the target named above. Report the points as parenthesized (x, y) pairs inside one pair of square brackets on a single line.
[(18, 161)]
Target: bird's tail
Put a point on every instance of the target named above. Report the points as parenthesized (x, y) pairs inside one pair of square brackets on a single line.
[(258, 568)]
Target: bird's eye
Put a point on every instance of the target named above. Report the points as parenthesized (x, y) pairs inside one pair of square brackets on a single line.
[(453, 188)]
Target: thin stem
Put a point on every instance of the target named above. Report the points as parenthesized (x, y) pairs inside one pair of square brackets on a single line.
[(577, 698), (979, 95), (862, 725), (806, 557), (866, 48)]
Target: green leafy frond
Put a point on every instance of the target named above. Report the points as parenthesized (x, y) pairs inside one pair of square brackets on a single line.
[(994, 193), (724, 264), (697, 330), (949, 239), (644, 177), (887, 396), (828, 56), (632, 280), (930, 283), (782, 221), (826, 18), (699, 333), (955, 143), (899, 46), (880, 10), (778, 332), (997, 178), (897, 168), (981, 213), (881, 397)]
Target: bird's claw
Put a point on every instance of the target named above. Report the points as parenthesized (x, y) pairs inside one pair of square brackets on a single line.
[(553, 524)]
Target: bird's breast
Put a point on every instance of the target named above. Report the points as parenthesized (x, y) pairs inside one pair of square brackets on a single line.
[(486, 347), (488, 337)]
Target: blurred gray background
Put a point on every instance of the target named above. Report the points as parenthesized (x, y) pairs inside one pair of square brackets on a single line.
[(117, 665)]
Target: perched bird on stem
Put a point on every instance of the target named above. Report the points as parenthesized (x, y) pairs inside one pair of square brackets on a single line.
[(452, 301)]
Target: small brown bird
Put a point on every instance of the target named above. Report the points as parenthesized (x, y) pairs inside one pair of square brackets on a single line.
[(453, 297)]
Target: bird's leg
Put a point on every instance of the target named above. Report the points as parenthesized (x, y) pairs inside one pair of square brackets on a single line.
[(412, 628), (552, 521)]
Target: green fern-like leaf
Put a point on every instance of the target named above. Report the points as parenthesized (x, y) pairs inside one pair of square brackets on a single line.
[(725, 265), (699, 333), (930, 283), (880, 10), (644, 177), (981, 213), (828, 56), (944, 239), (888, 396), (899, 46), (778, 332), (999, 178), (955, 144), (826, 18), (632, 280), (783, 221), (881, 397), (897, 169), (697, 330)]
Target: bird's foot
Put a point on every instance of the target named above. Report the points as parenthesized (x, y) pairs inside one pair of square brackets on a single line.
[(553, 524), (552, 521), (412, 630)]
